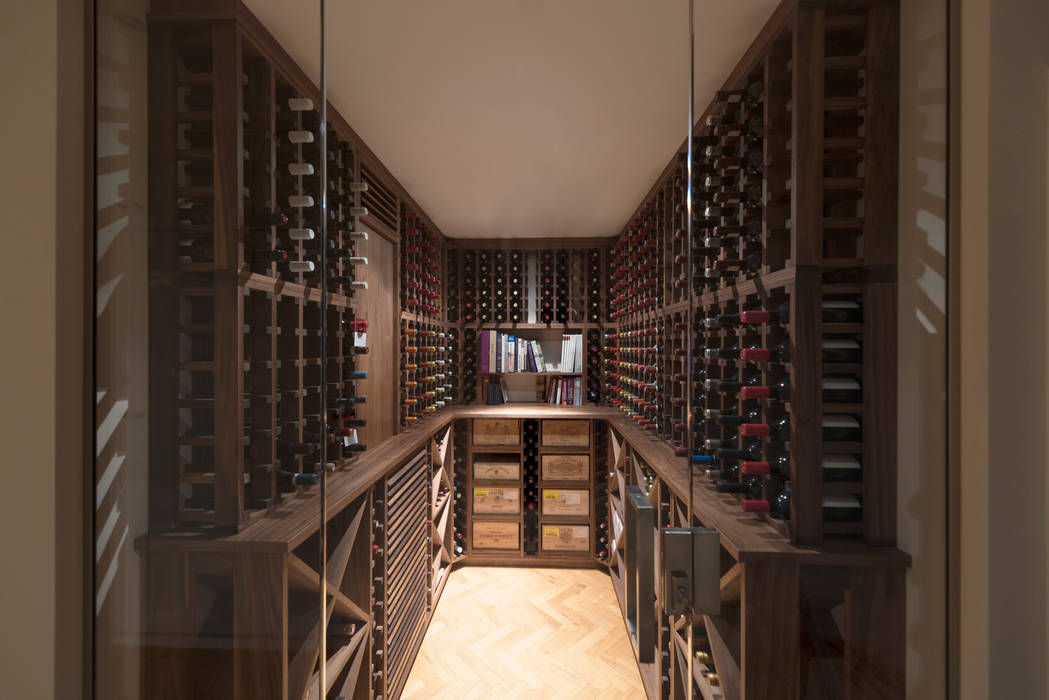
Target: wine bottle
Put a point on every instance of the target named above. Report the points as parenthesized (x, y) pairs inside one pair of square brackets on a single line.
[(778, 507), (286, 478)]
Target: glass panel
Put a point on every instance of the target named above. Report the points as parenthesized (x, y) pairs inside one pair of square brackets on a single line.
[(208, 374)]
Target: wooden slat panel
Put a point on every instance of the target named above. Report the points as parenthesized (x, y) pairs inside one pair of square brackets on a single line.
[(260, 626), (806, 199), (875, 614), (770, 638)]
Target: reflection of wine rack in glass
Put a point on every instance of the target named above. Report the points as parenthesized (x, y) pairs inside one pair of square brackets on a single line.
[(485, 303), (421, 264), (808, 244), (469, 286), (516, 294), (459, 488), (594, 286), (546, 286), (469, 367), (426, 381), (594, 365), (563, 277), (236, 264), (530, 474), (452, 302)]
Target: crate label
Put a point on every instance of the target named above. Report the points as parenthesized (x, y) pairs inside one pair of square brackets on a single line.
[(572, 502), (496, 431), (566, 433), (566, 467), (496, 501), (566, 538), (495, 535), (497, 470)]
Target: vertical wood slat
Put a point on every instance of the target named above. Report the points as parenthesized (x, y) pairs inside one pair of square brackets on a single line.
[(227, 101), (806, 202), (163, 294), (260, 626), (875, 625), (264, 346), (806, 409), (879, 414), (168, 652), (882, 134), (770, 637), (806, 197)]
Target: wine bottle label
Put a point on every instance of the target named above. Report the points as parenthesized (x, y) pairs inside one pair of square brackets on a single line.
[(840, 345), (300, 169), (840, 384), (300, 104), (841, 462), (838, 421), (841, 501), (300, 136)]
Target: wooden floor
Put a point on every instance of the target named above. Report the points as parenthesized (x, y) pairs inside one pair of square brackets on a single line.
[(526, 633)]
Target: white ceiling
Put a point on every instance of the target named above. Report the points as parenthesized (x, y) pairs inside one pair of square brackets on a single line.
[(519, 118)]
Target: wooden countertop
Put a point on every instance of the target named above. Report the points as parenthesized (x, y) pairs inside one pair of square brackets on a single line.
[(747, 538)]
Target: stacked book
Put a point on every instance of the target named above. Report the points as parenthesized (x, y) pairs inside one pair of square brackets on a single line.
[(501, 353)]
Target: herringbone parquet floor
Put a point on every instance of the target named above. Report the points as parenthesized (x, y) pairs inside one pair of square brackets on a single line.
[(525, 633)]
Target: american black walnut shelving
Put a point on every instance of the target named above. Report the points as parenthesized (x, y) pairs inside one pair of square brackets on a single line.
[(804, 143)]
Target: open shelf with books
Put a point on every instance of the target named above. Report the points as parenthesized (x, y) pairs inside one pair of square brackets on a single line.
[(531, 366)]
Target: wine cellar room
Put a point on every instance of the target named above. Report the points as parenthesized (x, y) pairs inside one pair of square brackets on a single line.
[(526, 349)]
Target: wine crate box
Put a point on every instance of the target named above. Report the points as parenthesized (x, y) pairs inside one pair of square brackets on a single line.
[(566, 538), (497, 500), (566, 433), (498, 432), (566, 467), (566, 502), (488, 534), (497, 469)]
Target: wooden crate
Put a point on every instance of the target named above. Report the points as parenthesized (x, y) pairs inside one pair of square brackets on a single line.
[(501, 432), (497, 470), (574, 502), (492, 534), (566, 433), (497, 500), (566, 467), (566, 538)]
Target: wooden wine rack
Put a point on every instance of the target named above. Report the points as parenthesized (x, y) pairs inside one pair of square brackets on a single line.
[(806, 145), (234, 558)]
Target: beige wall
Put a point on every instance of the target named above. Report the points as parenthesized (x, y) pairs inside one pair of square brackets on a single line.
[(922, 331), (1000, 237), (28, 60), (42, 312)]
